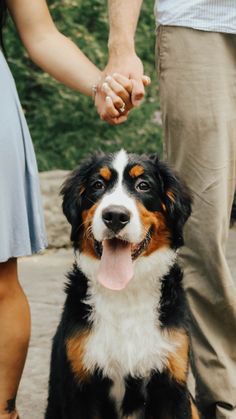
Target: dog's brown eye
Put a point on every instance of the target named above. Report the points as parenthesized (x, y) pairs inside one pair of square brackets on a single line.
[(98, 184), (142, 186)]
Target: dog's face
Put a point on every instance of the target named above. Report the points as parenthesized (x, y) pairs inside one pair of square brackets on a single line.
[(122, 207)]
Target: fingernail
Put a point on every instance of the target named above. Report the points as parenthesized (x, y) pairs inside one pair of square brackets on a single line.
[(147, 78), (104, 86), (108, 78), (108, 98)]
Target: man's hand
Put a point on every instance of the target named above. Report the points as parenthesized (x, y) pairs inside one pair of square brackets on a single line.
[(131, 67)]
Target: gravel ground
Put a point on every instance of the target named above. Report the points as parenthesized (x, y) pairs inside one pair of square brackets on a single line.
[(43, 278)]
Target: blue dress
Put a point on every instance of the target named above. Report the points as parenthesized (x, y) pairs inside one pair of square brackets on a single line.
[(22, 229)]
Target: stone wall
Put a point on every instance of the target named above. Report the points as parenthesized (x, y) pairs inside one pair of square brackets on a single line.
[(58, 228)]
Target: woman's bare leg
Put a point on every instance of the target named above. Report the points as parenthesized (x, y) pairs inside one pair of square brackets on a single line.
[(14, 336)]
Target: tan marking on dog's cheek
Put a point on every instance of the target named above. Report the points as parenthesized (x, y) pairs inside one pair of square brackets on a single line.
[(161, 236), (147, 217), (105, 173), (177, 362), (87, 247), (86, 239), (194, 411), (136, 171), (75, 348)]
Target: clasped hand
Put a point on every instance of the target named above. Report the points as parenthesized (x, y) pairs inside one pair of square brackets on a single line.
[(114, 98)]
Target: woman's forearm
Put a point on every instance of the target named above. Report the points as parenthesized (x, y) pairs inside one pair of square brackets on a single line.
[(50, 49), (63, 60)]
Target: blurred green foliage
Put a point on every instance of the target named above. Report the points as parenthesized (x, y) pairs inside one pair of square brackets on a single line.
[(64, 125)]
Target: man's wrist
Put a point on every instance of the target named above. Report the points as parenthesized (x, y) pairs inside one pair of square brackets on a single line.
[(121, 46)]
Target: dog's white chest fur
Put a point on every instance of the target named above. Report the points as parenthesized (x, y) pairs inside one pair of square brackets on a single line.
[(126, 338)]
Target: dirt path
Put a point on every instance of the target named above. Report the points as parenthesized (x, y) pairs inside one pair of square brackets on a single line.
[(43, 278)]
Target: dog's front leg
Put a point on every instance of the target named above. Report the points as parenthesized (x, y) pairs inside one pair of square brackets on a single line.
[(169, 399)]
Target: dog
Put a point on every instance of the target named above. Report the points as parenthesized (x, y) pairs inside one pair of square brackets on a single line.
[(121, 349)]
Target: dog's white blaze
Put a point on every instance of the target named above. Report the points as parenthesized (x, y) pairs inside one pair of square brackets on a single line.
[(126, 337), (133, 232), (119, 163)]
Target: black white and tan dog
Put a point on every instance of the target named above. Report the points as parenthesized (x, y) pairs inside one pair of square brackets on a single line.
[(122, 347)]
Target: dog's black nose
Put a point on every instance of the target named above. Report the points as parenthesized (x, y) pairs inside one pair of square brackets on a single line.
[(115, 217)]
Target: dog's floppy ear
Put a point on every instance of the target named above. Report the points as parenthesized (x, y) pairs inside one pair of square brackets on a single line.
[(177, 200), (71, 204), (72, 191)]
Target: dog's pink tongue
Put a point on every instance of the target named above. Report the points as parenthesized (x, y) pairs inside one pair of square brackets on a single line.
[(116, 268)]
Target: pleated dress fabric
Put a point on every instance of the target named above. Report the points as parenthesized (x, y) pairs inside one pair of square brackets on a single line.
[(22, 229)]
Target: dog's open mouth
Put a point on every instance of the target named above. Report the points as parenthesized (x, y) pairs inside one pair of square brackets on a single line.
[(116, 267)]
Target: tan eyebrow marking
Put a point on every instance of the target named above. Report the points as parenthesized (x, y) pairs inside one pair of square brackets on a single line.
[(136, 170), (105, 173)]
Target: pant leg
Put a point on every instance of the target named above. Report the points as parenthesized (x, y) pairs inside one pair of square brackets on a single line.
[(197, 74)]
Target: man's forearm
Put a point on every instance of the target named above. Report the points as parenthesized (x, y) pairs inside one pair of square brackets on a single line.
[(123, 18)]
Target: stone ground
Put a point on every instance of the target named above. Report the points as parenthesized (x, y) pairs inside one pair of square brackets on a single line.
[(43, 278)]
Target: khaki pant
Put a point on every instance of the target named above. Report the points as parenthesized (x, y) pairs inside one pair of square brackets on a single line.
[(197, 74)]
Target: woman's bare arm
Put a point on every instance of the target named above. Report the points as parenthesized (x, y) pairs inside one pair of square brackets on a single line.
[(50, 49)]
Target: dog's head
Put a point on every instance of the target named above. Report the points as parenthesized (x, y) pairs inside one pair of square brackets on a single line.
[(122, 207)]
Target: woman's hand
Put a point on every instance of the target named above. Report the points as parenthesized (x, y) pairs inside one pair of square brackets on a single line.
[(114, 98)]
